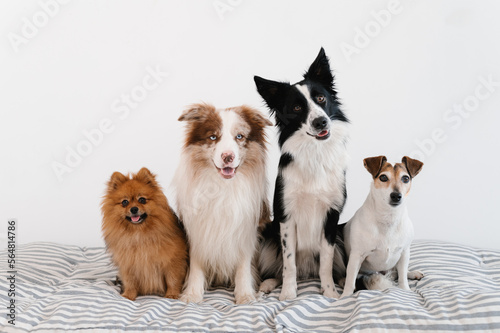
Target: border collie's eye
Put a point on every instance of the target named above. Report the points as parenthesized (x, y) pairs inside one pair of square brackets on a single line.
[(213, 137), (383, 178), (239, 136), (297, 108), (125, 203), (405, 179), (142, 200), (321, 99)]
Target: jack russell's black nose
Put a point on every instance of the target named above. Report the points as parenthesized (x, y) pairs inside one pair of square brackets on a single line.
[(134, 210), (320, 123), (396, 196)]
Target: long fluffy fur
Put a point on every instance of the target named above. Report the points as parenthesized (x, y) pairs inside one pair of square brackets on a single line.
[(151, 256), (221, 216)]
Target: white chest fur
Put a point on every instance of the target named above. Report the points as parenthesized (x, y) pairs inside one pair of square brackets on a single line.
[(314, 183)]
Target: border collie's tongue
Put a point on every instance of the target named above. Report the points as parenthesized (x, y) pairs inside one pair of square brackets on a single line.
[(322, 133), (227, 171), (135, 218)]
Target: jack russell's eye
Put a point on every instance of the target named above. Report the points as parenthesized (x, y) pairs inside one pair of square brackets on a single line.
[(321, 99), (125, 203), (213, 137), (383, 178), (405, 179), (239, 136), (297, 108), (142, 200)]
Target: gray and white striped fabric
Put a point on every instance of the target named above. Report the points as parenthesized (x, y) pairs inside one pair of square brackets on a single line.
[(63, 288)]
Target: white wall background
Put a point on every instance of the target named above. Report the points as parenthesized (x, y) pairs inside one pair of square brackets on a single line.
[(409, 78)]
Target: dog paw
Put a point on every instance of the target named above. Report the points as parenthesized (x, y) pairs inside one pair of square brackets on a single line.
[(131, 295), (288, 294), (245, 298), (268, 285), (172, 296), (331, 293), (415, 275), (191, 298)]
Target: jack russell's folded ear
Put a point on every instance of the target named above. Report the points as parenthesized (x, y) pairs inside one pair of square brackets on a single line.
[(413, 166), (374, 164)]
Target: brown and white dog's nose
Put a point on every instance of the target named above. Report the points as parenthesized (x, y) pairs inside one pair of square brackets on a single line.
[(227, 157), (134, 210), (396, 197), (320, 123)]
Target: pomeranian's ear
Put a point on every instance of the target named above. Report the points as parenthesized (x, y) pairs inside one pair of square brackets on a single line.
[(374, 164), (273, 93), (145, 176), (413, 166), (116, 180), (197, 112)]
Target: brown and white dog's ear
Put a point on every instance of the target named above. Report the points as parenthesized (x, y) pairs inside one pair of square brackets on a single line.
[(116, 180), (374, 164), (145, 176), (413, 166), (196, 112), (254, 116)]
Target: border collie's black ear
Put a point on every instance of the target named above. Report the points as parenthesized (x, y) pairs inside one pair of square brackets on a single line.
[(273, 92), (320, 71), (116, 180), (374, 164), (413, 166)]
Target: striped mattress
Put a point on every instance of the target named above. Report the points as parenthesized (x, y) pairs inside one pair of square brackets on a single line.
[(62, 288)]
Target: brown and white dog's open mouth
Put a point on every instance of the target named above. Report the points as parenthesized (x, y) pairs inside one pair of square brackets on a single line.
[(227, 172)]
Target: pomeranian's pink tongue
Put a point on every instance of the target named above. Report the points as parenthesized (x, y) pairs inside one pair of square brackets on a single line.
[(228, 171), (135, 218), (322, 133)]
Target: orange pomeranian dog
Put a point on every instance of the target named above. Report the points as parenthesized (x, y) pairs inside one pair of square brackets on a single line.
[(143, 236)]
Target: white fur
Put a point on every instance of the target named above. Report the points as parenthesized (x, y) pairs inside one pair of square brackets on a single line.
[(378, 238), (313, 184), (221, 218)]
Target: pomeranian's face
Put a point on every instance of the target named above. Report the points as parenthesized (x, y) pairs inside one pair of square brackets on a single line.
[(133, 200)]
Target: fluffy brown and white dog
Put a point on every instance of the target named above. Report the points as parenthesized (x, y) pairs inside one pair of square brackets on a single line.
[(221, 197)]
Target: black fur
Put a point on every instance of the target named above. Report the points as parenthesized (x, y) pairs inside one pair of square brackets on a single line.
[(331, 222), (281, 97)]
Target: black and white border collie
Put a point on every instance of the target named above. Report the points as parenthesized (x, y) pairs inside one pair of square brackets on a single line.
[(222, 197), (310, 187)]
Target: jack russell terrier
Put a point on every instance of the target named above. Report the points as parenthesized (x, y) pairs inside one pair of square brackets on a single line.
[(378, 237)]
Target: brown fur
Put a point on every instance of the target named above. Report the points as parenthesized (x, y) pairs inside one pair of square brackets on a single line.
[(151, 256)]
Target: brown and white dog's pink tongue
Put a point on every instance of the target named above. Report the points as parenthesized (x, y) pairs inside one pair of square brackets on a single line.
[(227, 171), (135, 218), (322, 133)]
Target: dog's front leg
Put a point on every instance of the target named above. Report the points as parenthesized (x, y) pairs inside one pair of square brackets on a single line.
[(289, 244), (243, 284), (353, 266), (402, 267), (195, 285), (326, 254)]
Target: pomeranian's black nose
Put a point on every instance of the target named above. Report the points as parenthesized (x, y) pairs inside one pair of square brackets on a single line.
[(320, 123), (134, 210), (396, 196)]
